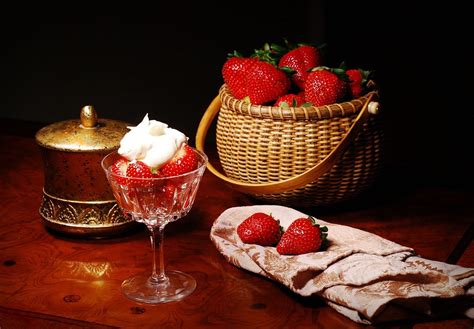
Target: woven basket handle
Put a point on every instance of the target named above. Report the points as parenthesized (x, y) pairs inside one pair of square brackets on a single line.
[(310, 175)]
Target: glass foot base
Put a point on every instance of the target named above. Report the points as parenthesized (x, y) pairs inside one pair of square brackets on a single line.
[(139, 288)]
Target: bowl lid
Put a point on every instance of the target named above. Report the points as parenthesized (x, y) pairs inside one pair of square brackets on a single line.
[(87, 134)]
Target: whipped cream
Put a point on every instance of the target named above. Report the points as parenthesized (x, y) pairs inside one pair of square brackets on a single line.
[(151, 142)]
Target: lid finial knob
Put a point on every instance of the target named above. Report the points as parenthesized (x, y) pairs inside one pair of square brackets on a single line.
[(88, 116)]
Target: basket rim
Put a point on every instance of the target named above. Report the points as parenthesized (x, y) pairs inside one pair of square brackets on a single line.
[(343, 109)]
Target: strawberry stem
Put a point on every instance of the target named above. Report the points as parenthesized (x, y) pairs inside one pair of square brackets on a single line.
[(287, 70), (340, 72), (323, 229), (235, 53)]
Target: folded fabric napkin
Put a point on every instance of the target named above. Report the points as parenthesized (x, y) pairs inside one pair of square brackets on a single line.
[(365, 277)]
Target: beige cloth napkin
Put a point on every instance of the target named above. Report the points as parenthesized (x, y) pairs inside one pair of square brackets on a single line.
[(365, 277)]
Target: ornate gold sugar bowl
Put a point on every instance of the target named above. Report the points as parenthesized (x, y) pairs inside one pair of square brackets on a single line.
[(77, 198)]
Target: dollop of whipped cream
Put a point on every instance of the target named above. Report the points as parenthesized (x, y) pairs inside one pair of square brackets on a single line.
[(151, 142)]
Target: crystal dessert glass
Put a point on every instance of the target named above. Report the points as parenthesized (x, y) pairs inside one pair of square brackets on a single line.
[(156, 202)]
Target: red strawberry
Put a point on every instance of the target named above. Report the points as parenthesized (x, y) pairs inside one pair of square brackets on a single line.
[(234, 73), (258, 80), (302, 236), (170, 191), (260, 228), (290, 100), (185, 160), (119, 169), (358, 79), (302, 95), (301, 59), (172, 195), (138, 169), (325, 86)]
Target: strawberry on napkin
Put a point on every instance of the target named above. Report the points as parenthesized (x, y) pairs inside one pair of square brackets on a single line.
[(361, 275)]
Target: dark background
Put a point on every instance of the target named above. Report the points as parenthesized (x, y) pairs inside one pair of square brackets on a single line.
[(166, 61)]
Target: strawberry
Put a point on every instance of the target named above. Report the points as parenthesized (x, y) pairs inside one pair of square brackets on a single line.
[(234, 73), (260, 81), (302, 236), (300, 60), (138, 169), (290, 100), (119, 170), (261, 229), (357, 81), (172, 195), (325, 86), (185, 160), (170, 191)]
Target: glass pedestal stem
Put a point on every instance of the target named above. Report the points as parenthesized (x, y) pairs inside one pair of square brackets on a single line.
[(158, 275)]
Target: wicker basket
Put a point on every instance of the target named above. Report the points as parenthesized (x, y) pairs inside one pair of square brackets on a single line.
[(303, 156)]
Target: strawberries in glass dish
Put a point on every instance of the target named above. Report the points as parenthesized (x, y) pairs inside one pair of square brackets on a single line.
[(131, 172), (184, 161)]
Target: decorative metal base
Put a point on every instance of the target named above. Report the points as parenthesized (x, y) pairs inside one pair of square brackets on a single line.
[(84, 218)]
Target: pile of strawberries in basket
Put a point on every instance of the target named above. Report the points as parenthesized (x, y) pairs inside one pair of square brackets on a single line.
[(291, 76)]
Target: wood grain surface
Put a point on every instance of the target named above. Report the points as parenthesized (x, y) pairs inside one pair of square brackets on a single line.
[(49, 280)]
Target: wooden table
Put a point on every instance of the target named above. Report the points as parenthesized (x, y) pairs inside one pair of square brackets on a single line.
[(51, 281)]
